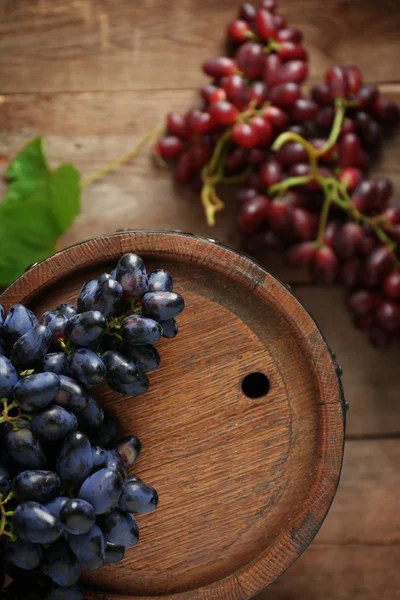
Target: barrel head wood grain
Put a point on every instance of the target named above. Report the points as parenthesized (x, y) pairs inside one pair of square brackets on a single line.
[(244, 483)]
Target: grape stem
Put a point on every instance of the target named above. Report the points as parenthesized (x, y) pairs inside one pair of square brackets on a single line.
[(5, 516), (115, 164), (6, 417)]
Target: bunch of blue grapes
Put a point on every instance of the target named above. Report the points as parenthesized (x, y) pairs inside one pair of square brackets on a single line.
[(66, 499)]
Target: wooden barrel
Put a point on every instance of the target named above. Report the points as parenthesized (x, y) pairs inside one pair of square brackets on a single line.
[(242, 427)]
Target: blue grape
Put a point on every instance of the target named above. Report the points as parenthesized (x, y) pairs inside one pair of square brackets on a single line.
[(56, 322), (119, 527), (137, 330), (72, 592), (170, 328), (55, 362), (146, 357), (30, 348), (25, 450), (60, 564), (4, 348), (89, 548), (114, 553), (40, 486), (137, 496), (18, 321), (36, 391), (68, 310), (33, 523), (119, 368), (107, 296), (75, 461), (160, 281), (162, 306), (54, 506), (108, 431), (86, 367), (104, 277), (5, 482), (131, 274), (91, 417), (53, 423), (24, 555), (129, 448), (1, 315), (99, 457), (131, 389), (116, 463), (77, 516), (102, 490), (86, 296), (86, 328), (8, 377), (72, 395)]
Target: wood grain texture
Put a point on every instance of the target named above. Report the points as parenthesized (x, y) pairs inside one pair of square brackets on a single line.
[(244, 484)]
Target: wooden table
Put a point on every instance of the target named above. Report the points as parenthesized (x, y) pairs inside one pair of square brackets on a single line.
[(93, 77)]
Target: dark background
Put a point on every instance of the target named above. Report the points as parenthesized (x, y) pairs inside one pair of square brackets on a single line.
[(93, 77)]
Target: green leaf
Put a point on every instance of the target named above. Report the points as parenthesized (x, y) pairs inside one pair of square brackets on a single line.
[(38, 206)]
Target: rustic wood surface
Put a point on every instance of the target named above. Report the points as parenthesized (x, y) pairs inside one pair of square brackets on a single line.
[(94, 76), (246, 481)]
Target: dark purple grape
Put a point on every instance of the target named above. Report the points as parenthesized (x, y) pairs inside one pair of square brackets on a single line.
[(119, 527), (53, 423), (116, 463), (68, 310), (114, 553), (348, 241), (24, 555), (160, 281), (377, 266), (34, 392), (25, 450), (137, 497), (2, 313), (162, 306), (131, 274), (30, 348), (60, 564), (138, 330), (108, 432), (102, 490), (86, 367), (8, 377), (363, 302), (77, 516), (119, 368), (17, 322), (91, 417), (75, 461), (89, 548), (86, 296), (56, 322), (40, 486), (99, 458), (33, 523), (129, 448), (55, 362), (324, 266), (146, 357), (86, 328), (107, 296), (72, 395), (170, 328), (5, 482), (54, 506), (131, 389)]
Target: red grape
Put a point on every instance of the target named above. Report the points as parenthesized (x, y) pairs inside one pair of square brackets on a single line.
[(280, 22), (331, 231), (250, 59), (212, 93), (353, 79), (253, 215), (199, 122), (264, 129), (265, 24), (271, 172), (324, 266), (349, 150), (386, 112), (247, 12), (291, 153), (244, 195), (176, 125), (321, 94), (293, 71), (285, 94), (348, 241), (300, 255), (380, 338), (223, 113), (391, 285), (350, 177), (388, 315), (324, 119), (219, 66), (392, 214), (256, 156), (304, 110), (270, 5), (235, 87), (183, 168), (200, 154), (291, 51), (363, 302), (336, 81), (237, 158), (378, 264), (245, 135), (280, 216), (276, 116), (272, 64), (348, 126), (363, 196), (290, 34), (304, 224), (169, 146), (349, 272), (257, 91), (366, 96), (237, 30)]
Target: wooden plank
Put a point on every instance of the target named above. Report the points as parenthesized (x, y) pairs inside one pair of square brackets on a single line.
[(86, 45), (355, 555), (371, 377)]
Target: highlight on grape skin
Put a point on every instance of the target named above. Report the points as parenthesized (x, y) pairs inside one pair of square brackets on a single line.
[(62, 497)]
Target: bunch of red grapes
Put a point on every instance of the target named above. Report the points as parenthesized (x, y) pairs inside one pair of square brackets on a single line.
[(302, 161)]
